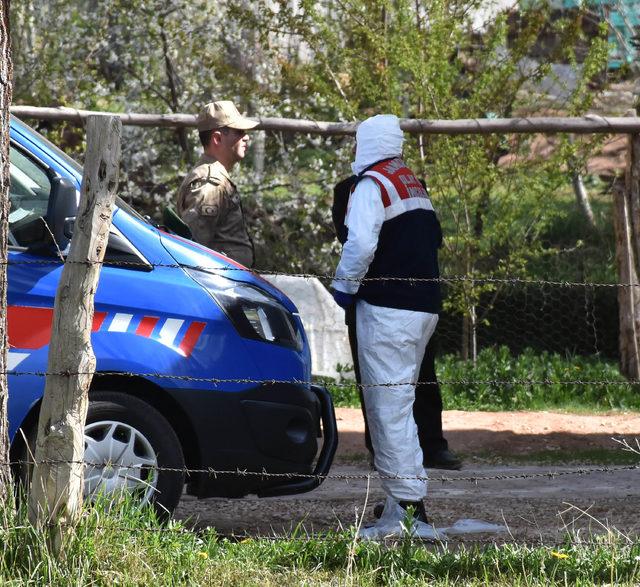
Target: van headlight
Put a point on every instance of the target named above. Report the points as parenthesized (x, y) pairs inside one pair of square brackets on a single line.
[(253, 312)]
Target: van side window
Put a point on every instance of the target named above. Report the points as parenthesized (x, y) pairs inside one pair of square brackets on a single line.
[(29, 192)]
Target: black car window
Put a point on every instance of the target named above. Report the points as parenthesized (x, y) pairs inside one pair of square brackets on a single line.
[(29, 192)]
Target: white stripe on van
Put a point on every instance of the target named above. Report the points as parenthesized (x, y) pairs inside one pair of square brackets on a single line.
[(120, 322), (170, 330), (14, 359)]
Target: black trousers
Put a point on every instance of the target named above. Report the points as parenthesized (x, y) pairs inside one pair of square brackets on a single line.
[(427, 409)]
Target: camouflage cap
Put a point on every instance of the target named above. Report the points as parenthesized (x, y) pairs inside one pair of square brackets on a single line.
[(223, 114)]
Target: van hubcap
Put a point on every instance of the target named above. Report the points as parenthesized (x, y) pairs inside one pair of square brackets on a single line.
[(118, 458)]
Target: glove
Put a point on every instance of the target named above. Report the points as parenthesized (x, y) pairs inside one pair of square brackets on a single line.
[(343, 299)]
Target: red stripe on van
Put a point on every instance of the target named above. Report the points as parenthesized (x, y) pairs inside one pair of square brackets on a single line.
[(30, 327), (146, 326), (191, 337), (98, 319)]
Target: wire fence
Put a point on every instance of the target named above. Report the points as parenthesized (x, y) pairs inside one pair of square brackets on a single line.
[(493, 536), (563, 317), (215, 473), (324, 276), (242, 380), (546, 315)]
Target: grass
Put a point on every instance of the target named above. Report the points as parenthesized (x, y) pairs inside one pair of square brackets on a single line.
[(500, 381), (125, 546), (595, 456)]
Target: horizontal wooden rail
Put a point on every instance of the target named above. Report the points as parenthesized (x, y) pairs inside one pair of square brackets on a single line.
[(584, 125)]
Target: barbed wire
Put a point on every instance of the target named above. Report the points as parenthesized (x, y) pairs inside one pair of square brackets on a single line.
[(326, 276), (305, 382), (561, 317), (372, 476)]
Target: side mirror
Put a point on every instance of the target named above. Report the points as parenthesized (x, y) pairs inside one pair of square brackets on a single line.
[(62, 210)]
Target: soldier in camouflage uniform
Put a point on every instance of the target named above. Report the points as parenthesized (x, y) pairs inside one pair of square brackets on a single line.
[(208, 201)]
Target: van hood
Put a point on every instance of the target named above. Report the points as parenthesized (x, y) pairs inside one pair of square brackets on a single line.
[(190, 254)]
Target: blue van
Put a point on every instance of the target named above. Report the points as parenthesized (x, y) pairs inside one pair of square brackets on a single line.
[(201, 363)]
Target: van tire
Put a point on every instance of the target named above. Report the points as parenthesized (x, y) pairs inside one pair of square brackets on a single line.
[(151, 428), (134, 412)]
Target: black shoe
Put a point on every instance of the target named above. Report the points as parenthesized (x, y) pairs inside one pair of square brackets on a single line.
[(419, 513), (378, 509), (442, 459)]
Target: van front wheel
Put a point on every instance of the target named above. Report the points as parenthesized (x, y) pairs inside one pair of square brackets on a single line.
[(130, 447)]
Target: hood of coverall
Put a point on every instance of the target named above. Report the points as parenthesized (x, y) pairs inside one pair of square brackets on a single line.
[(377, 138)]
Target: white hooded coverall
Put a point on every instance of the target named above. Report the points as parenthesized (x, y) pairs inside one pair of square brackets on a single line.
[(391, 341)]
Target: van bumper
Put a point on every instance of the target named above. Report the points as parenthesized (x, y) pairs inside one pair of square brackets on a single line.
[(245, 437)]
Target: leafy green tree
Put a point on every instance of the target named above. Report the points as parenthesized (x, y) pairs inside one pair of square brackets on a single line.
[(116, 55), (424, 60), (335, 60)]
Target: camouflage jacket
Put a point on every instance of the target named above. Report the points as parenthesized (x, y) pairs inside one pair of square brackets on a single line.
[(209, 203)]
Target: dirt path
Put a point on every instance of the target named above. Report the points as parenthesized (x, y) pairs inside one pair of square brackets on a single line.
[(509, 433), (533, 502)]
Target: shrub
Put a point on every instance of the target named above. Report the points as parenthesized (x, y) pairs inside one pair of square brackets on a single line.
[(529, 381)]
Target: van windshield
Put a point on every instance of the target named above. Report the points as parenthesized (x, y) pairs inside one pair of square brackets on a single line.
[(130, 210), (27, 130), (73, 164)]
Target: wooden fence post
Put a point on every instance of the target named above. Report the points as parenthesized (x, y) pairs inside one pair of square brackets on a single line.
[(57, 484), (626, 219), (628, 307), (6, 87), (632, 184)]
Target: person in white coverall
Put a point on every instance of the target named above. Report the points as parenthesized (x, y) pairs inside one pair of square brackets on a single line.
[(389, 268)]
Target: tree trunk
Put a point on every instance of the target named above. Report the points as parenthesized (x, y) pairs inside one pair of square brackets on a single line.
[(473, 343), (258, 146), (582, 198), (56, 489), (627, 228), (172, 82), (628, 296), (6, 80), (259, 155), (464, 352), (632, 184)]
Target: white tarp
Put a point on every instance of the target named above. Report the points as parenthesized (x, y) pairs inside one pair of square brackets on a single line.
[(323, 322), (393, 528)]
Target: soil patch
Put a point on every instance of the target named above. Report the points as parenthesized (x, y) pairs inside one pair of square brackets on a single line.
[(508, 433), (536, 504)]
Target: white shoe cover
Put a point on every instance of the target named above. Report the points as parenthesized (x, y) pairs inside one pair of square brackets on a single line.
[(393, 524)]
